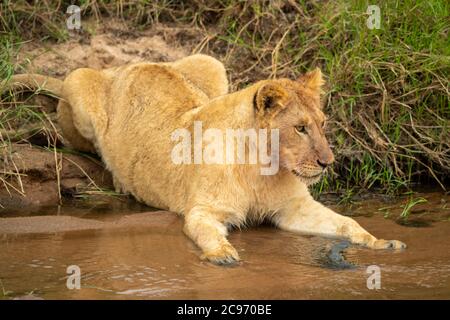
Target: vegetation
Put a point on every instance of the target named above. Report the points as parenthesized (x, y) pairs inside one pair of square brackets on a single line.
[(387, 95)]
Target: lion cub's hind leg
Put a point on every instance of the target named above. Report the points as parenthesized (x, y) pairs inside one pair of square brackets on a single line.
[(205, 72), (83, 118), (70, 133)]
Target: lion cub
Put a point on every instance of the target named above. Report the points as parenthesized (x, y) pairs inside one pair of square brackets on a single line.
[(132, 117)]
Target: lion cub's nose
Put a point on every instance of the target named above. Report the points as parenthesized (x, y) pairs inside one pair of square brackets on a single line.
[(326, 161)]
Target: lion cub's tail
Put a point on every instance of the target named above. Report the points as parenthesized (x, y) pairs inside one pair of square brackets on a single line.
[(33, 82)]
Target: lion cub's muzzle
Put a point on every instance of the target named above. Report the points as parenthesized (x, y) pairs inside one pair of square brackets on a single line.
[(314, 168)]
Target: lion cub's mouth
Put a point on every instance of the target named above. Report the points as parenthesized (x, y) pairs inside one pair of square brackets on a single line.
[(304, 176)]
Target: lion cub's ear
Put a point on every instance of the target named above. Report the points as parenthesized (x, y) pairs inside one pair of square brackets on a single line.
[(312, 79), (270, 99)]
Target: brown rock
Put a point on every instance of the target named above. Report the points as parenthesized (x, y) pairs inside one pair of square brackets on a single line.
[(32, 176)]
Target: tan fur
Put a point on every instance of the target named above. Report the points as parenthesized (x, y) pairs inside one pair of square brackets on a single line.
[(128, 114)]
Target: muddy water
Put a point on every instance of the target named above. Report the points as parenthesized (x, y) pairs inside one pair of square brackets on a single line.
[(144, 255)]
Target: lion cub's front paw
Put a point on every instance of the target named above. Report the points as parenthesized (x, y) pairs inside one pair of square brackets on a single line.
[(225, 255), (388, 244)]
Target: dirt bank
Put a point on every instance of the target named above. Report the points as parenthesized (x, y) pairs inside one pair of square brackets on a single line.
[(108, 45), (38, 177), (59, 224)]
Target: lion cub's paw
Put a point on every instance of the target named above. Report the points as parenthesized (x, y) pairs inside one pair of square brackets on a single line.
[(388, 244), (225, 255)]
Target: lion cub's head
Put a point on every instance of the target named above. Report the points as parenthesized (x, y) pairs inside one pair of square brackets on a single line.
[(294, 108)]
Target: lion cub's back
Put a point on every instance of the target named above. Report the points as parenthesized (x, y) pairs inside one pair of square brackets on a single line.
[(146, 104)]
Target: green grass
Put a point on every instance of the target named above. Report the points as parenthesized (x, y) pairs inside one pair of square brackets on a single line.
[(412, 202), (4, 293), (387, 93)]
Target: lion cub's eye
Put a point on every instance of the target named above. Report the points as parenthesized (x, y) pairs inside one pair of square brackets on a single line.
[(300, 129)]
